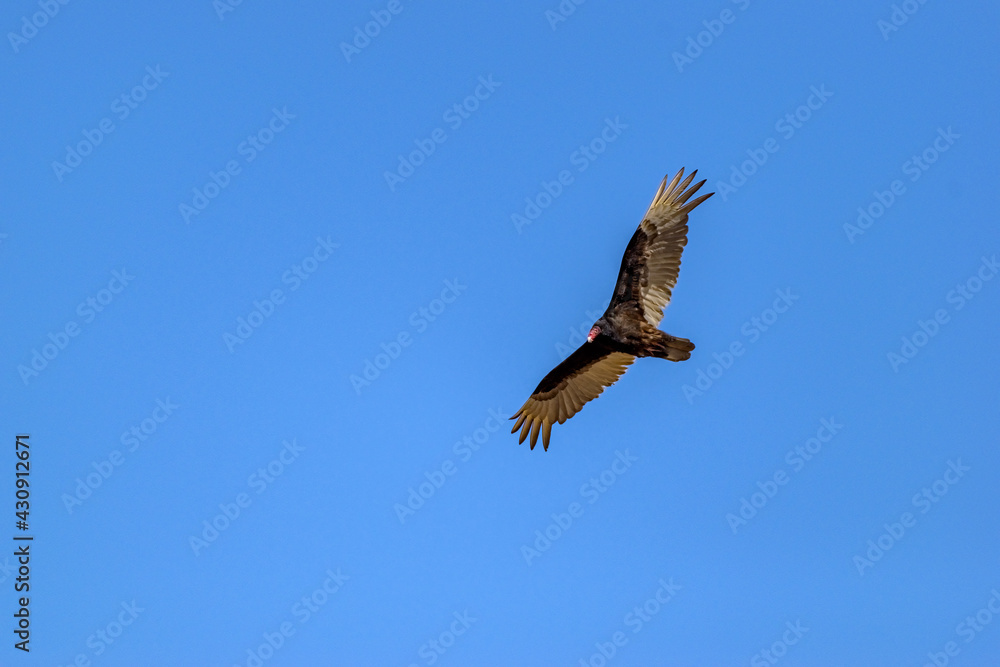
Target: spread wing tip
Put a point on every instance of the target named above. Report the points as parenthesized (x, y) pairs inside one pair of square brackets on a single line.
[(520, 421), (676, 191), (690, 206)]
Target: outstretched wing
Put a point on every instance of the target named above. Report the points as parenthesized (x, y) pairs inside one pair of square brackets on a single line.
[(653, 257), (580, 378)]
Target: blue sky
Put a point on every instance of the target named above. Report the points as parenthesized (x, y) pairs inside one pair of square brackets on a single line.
[(271, 283)]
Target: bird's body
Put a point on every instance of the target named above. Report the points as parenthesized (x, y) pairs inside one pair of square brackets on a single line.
[(628, 328)]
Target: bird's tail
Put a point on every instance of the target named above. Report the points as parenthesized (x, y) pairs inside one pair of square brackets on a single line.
[(673, 348)]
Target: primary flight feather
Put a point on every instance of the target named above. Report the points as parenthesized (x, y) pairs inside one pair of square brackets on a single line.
[(628, 328)]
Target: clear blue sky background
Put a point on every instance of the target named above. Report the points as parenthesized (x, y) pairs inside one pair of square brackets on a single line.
[(467, 569)]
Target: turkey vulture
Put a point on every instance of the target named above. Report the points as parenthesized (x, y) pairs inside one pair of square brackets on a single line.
[(628, 328)]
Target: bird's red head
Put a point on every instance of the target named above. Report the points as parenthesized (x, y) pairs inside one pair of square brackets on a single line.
[(593, 334)]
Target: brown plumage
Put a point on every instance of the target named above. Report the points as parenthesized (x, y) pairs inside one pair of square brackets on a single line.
[(628, 328)]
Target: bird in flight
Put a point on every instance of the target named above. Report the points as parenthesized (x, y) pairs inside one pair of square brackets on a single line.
[(628, 328)]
